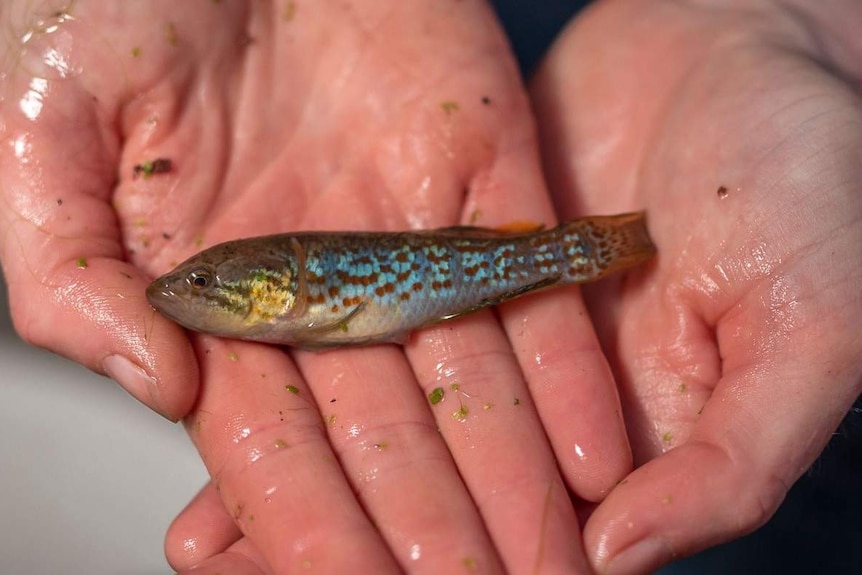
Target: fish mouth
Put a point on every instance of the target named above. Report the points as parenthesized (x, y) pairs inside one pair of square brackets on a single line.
[(158, 292), (164, 299)]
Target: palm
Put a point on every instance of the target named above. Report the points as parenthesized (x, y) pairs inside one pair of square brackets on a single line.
[(743, 155), (352, 134)]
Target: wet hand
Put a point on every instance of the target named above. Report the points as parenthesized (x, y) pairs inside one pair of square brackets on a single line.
[(737, 352), (136, 138)]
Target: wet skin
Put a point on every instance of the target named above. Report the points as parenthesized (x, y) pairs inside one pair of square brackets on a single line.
[(737, 347)]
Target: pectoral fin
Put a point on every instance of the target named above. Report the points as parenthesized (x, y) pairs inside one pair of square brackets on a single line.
[(339, 324)]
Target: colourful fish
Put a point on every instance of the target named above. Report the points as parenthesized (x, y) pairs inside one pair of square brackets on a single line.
[(321, 289)]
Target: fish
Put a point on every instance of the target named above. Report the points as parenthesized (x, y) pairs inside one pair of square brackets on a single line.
[(327, 289)]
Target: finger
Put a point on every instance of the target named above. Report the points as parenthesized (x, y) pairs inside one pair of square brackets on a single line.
[(60, 246), (726, 481), (491, 426), (557, 349), (264, 443), (389, 446), (201, 530), (242, 558)]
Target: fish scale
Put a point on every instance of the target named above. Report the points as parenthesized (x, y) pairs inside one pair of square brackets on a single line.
[(390, 277), (341, 288)]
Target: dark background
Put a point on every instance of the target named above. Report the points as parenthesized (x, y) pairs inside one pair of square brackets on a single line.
[(818, 528)]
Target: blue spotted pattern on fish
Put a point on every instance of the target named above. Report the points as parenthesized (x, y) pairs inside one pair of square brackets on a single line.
[(343, 288)]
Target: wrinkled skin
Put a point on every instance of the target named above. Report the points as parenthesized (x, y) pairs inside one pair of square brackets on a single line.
[(327, 115), (737, 354), (737, 347)]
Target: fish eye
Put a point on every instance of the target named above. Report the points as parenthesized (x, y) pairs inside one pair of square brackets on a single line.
[(200, 278)]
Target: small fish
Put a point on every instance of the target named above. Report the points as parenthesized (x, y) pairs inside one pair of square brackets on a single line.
[(321, 289)]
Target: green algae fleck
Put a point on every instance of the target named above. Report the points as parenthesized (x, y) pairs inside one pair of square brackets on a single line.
[(436, 395), (461, 414), (449, 106)]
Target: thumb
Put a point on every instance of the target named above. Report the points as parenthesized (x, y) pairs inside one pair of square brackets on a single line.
[(791, 368), (91, 309)]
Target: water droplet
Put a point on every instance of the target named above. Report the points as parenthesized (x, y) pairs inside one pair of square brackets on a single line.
[(579, 451), (242, 434), (23, 148), (55, 59), (31, 103), (415, 552), (539, 359), (190, 545), (254, 455)]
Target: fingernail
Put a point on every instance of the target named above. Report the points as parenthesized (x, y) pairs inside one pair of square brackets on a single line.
[(135, 381), (643, 557)]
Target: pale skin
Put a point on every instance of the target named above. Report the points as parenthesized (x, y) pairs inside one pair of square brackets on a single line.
[(737, 126), (340, 116)]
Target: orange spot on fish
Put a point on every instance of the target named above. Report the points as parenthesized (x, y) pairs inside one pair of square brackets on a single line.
[(521, 227), (317, 298)]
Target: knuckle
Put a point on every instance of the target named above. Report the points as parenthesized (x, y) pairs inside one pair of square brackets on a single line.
[(759, 504), (28, 325)]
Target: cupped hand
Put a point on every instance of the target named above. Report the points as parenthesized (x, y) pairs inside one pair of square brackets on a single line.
[(137, 134), (738, 127)]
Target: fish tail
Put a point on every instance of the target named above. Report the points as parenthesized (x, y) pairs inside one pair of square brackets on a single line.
[(601, 245)]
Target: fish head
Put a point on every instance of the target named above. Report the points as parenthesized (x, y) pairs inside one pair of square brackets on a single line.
[(229, 290)]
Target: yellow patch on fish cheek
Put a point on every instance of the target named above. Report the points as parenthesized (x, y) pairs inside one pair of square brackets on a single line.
[(270, 295)]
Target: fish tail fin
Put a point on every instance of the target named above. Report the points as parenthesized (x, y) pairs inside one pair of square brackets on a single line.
[(601, 245)]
